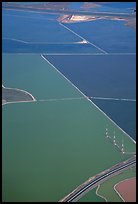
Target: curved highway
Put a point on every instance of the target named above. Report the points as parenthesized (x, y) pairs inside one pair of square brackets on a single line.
[(77, 193)]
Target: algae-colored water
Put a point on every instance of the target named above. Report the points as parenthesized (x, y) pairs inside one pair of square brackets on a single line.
[(49, 148)]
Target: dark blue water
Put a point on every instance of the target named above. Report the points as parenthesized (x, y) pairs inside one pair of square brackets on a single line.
[(9, 46), (29, 14), (122, 112), (105, 76), (35, 30), (76, 6), (101, 76), (110, 35), (19, 27), (121, 5)]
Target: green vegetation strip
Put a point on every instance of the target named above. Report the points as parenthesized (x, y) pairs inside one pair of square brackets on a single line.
[(91, 197)]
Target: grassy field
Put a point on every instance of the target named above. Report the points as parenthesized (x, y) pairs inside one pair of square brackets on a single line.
[(49, 148), (107, 188), (91, 197)]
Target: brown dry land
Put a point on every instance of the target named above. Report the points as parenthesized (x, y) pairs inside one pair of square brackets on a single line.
[(88, 5), (14, 95), (127, 189), (70, 18)]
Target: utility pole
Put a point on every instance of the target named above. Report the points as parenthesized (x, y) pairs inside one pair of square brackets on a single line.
[(122, 149), (106, 131), (114, 138)]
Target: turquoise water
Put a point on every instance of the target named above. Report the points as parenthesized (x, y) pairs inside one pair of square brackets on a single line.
[(100, 75), (122, 112), (33, 74), (49, 148), (105, 76)]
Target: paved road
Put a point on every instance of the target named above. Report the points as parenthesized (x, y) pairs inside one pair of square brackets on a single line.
[(87, 186)]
